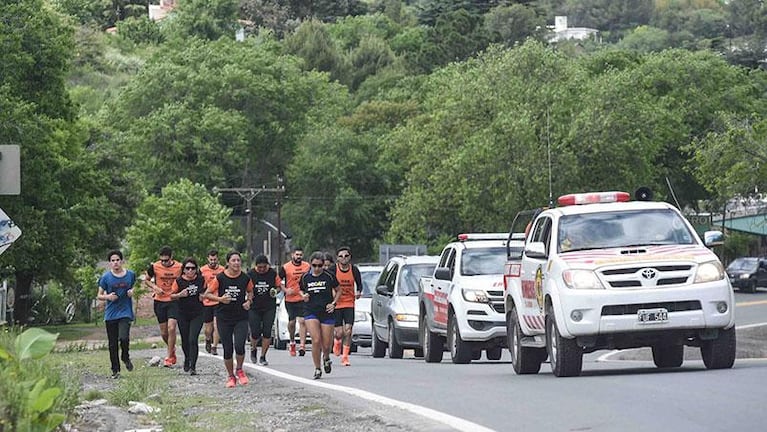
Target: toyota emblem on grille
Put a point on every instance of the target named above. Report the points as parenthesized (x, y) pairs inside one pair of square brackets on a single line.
[(649, 273)]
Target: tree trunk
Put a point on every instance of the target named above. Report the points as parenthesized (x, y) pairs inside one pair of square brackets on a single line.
[(23, 295)]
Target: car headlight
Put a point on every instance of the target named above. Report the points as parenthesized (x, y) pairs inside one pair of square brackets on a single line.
[(406, 318), (581, 279), (745, 276), (475, 296), (360, 316), (709, 272)]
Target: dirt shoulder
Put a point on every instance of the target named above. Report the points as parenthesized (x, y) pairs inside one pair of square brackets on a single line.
[(203, 403)]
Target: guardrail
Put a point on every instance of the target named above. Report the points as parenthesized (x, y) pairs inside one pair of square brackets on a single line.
[(3, 302)]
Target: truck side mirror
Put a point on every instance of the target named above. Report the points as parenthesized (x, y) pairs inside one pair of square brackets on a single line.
[(383, 290), (442, 273), (536, 250), (713, 238)]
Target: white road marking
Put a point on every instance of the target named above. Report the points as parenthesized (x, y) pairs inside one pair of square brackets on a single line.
[(446, 419)]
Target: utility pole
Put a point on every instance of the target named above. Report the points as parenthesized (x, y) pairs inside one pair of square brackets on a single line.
[(281, 190), (249, 194)]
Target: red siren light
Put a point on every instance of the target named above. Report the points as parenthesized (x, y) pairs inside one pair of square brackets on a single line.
[(593, 198)]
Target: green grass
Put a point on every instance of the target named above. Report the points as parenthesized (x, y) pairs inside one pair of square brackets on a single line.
[(72, 332)]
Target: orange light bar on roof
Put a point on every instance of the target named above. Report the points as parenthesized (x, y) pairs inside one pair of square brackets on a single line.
[(482, 236), (593, 198)]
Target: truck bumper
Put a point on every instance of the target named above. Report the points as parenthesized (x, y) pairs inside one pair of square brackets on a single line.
[(480, 322), (616, 311)]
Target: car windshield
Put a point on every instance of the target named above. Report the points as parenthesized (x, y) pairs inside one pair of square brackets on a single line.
[(622, 229), (410, 277), (743, 264), (483, 261), (369, 279)]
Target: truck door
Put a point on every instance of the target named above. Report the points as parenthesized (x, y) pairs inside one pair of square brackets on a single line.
[(382, 297), (533, 273), (443, 286)]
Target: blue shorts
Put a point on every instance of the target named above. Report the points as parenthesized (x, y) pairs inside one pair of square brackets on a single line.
[(323, 317)]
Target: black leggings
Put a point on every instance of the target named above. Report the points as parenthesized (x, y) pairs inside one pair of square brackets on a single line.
[(118, 331), (190, 332), (233, 335)]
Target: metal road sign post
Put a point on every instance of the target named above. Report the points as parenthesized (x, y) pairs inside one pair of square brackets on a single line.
[(10, 170)]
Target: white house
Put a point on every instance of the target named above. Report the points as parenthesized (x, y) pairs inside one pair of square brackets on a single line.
[(561, 31)]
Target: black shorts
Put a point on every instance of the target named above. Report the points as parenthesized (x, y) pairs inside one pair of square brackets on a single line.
[(261, 322), (344, 316), (208, 313), (295, 309), (165, 311)]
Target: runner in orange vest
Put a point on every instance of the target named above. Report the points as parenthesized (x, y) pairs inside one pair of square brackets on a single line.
[(209, 272), (291, 273), (159, 279), (348, 276)]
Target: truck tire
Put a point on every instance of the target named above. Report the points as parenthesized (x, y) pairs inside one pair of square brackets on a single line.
[(395, 349), (417, 352), (378, 346), (565, 355), (279, 343), (668, 356), (494, 353), (719, 353), (525, 360), (432, 344), (460, 350)]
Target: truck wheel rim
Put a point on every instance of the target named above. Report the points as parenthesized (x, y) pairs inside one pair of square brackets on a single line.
[(514, 340), (553, 333)]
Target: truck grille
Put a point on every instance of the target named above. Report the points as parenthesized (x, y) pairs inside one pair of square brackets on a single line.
[(648, 276), (496, 300), (631, 309)]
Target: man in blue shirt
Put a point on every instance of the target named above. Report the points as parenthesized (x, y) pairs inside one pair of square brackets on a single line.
[(116, 288)]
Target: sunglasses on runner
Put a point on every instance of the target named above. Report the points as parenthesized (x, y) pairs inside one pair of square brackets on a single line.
[(190, 268)]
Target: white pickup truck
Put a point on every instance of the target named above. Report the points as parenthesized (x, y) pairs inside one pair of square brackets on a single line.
[(461, 305), (603, 272)]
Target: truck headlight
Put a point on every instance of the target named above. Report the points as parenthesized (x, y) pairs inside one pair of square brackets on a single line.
[(360, 316), (745, 276), (709, 272), (475, 296), (581, 279)]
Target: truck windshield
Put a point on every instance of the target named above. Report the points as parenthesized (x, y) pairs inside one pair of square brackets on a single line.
[(622, 229), (411, 276), (747, 264), (483, 261)]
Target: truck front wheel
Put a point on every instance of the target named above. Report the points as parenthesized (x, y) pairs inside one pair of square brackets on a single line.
[(525, 360), (460, 350), (565, 355), (432, 344), (379, 346), (720, 352)]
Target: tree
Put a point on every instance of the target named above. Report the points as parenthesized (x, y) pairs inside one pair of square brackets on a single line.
[(646, 39), (513, 24), (64, 209), (220, 113), (205, 19), (184, 216)]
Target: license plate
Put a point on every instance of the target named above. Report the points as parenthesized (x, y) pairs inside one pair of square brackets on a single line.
[(652, 316)]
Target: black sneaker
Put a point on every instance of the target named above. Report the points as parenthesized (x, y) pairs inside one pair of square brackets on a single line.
[(301, 352), (186, 365), (192, 372), (253, 356), (128, 365), (116, 375), (262, 362), (317, 373), (327, 365), (208, 345)]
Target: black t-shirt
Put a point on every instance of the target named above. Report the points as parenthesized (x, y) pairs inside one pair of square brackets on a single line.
[(191, 306), (320, 289), (263, 283), (237, 288)]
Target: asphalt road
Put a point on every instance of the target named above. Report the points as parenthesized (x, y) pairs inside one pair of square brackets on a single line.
[(609, 396)]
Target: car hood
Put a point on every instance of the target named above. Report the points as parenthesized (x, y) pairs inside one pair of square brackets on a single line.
[(485, 282), (406, 305), (363, 304), (639, 254)]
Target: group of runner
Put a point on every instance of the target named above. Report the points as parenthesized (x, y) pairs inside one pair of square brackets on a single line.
[(231, 303)]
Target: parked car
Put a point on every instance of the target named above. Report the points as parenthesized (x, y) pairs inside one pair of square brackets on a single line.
[(280, 337), (395, 305), (747, 273), (362, 333)]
